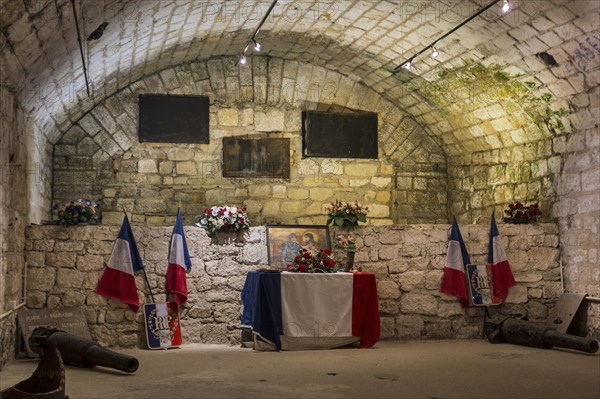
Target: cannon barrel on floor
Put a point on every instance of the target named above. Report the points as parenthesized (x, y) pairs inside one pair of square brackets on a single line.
[(526, 333), (80, 352)]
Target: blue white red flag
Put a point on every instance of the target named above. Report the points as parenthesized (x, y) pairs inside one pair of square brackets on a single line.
[(179, 264), (118, 278), (454, 280), (162, 325), (502, 275)]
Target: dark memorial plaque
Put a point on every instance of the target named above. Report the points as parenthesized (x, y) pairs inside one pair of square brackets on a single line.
[(71, 320), (480, 279), (173, 119), (339, 135), (256, 157)]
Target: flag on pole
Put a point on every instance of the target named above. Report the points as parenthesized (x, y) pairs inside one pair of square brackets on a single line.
[(179, 263), (453, 281), (502, 275), (118, 278)]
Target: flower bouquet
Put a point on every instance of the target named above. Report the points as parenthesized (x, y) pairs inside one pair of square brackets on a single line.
[(517, 213), (223, 218), (75, 212), (307, 262), (345, 214)]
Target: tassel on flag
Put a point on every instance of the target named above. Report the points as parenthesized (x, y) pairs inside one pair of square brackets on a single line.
[(453, 281), (179, 264), (502, 275), (118, 278)]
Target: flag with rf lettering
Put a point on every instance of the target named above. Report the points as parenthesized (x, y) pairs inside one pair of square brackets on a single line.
[(162, 325)]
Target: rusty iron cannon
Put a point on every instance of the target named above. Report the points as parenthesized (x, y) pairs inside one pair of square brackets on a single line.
[(521, 332), (80, 352)]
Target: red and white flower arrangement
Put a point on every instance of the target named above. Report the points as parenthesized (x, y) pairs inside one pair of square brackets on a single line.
[(307, 262), (223, 218)]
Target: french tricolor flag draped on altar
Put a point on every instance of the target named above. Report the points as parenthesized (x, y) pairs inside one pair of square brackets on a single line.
[(453, 281), (179, 264), (118, 278), (503, 277)]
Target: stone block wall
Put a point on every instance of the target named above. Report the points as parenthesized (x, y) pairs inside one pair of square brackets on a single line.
[(100, 156), (64, 265), (489, 180)]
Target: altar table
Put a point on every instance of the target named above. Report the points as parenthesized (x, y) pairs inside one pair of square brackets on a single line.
[(311, 310)]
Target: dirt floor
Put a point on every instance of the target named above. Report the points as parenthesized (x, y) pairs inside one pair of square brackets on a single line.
[(426, 369)]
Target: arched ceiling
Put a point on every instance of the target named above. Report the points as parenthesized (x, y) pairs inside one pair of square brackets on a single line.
[(364, 40)]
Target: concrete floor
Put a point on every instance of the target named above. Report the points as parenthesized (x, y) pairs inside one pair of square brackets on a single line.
[(426, 369)]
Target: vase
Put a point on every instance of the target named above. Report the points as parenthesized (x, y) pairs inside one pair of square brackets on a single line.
[(349, 261)]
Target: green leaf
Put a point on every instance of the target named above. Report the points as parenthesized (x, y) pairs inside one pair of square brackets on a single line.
[(339, 221)]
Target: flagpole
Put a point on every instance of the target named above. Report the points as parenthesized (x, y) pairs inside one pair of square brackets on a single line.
[(144, 271)]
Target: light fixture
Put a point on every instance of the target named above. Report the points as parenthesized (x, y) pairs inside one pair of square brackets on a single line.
[(435, 53), (257, 46), (407, 65)]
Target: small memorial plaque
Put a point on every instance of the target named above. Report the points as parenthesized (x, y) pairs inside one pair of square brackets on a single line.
[(71, 320), (481, 285)]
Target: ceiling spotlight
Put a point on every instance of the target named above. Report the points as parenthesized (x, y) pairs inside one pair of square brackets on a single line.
[(434, 52), (256, 45), (243, 59), (505, 7), (407, 65)]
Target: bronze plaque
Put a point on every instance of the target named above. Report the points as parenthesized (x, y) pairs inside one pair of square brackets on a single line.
[(71, 320), (269, 157)]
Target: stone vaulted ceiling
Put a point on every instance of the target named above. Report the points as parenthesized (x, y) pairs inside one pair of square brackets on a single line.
[(365, 40)]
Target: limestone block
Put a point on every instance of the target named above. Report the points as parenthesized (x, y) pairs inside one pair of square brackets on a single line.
[(115, 315), (179, 154), (449, 309), (93, 299), (381, 182), (388, 327), (200, 312), (53, 301), (361, 169), (414, 303), (279, 191), (551, 289), (297, 193), (165, 167), (112, 218), (388, 306), (90, 262), (36, 299), (388, 289), (378, 211), (35, 258), (72, 299), (292, 206), (186, 168), (409, 327), (41, 279), (388, 252), (61, 259), (517, 294), (69, 246), (67, 278), (260, 190), (411, 280), (228, 116), (147, 166), (43, 245), (271, 120)]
